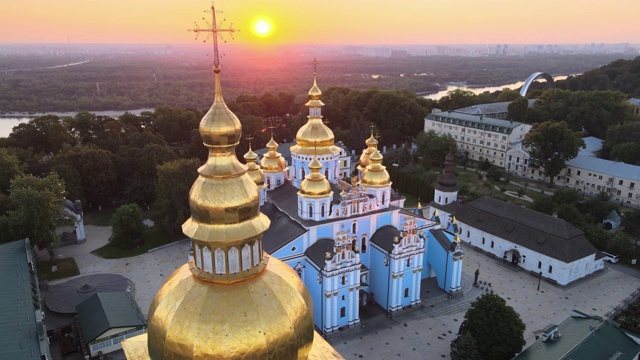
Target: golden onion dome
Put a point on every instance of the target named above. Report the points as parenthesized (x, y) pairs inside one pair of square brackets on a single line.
[(264, 317), (314, 92), (372, 145), (313, 133), (272, 160), (315, 184), (224, 200), (219, 126), (371, 141), (253, 170), (375, 175)]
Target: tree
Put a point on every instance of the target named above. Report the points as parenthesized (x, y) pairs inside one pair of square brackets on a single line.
[(628, 152), (552, 144), (10, 167), (508, 95), (38, 211), (433, 147), (464, 348), (127, 225), (496, 328), (171, 208), (631, 222), (517, 109)]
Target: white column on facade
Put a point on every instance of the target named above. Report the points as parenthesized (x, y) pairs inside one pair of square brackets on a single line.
[(336, 311), (327, 302)]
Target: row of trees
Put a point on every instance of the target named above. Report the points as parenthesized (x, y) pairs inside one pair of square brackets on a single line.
[(146, 81)]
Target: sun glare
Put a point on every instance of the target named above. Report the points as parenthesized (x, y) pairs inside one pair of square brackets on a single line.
[(262, 27)]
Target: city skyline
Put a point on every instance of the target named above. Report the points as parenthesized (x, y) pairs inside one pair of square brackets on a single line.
[(329, 22)]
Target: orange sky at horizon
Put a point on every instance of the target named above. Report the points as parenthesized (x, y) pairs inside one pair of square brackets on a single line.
[(327, 22)]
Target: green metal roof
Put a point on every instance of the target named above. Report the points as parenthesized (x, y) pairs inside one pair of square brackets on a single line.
[(108, 310), (22, 334), (584, 337)]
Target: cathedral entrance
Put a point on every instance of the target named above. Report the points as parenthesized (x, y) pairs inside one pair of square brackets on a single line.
[(512, 256), (369, 308)]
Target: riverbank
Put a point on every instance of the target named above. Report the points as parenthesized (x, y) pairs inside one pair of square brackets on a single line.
[(12, 119), (477, 89), (32, 115)]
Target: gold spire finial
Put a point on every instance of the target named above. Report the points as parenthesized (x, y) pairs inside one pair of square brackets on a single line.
[(213, 30), (315, 64)]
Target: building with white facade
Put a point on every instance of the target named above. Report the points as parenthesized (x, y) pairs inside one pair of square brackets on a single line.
[(480, 137), (585, 173), (533, 241)]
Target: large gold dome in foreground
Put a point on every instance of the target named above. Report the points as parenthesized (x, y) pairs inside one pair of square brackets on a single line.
[(264, 317)]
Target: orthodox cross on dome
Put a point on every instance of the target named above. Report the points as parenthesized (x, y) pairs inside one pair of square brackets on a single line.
[(315, 64), (373, 127), (271, 127), (249, 138), (213, 30)]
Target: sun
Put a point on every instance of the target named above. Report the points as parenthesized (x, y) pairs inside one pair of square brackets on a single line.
[(262, 27)]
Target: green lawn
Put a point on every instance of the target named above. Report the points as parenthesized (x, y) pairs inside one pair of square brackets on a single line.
[(66, 268), (153, 238), (99, 217)]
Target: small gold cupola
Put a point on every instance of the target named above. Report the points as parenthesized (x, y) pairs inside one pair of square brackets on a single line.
[(272, 160), (253, 170), (315, 184), (375, 175), (372, 145)]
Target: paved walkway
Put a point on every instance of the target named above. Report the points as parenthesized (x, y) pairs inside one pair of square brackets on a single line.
[(428, 336), (423, 333), (147, 271)]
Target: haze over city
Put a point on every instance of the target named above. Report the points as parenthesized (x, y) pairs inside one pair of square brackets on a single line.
[(374, 22)]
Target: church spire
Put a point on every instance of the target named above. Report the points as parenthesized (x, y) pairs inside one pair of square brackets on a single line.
[(224, 201)]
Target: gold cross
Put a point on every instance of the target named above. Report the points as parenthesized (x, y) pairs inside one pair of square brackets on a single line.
[(213, 30), (249, 138), (315, 64)]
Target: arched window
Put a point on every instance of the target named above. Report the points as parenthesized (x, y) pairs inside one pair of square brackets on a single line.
[(256, 253), (322, 210), (354, 227), (198, 256), (354, 243), (206, 256), (300, 207), (220, 261), (326, 173), (246, 257), (446, 200), (310, 210), (234, 261), (268, 183), (384, 198), (364, 245), (303, 174), (439, 198)]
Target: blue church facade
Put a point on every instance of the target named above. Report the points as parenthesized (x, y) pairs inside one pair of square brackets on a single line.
[(352, 244)]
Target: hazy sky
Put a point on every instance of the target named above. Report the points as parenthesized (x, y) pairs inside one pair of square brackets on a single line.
[(327, 21)]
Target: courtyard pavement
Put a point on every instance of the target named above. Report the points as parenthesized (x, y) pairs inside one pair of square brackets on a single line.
[(423, 332)]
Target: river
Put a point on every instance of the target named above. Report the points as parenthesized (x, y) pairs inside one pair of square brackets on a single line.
[(479, 90), (8, 121)]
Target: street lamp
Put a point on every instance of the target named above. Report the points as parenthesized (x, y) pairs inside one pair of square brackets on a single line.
[(539, 279)]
